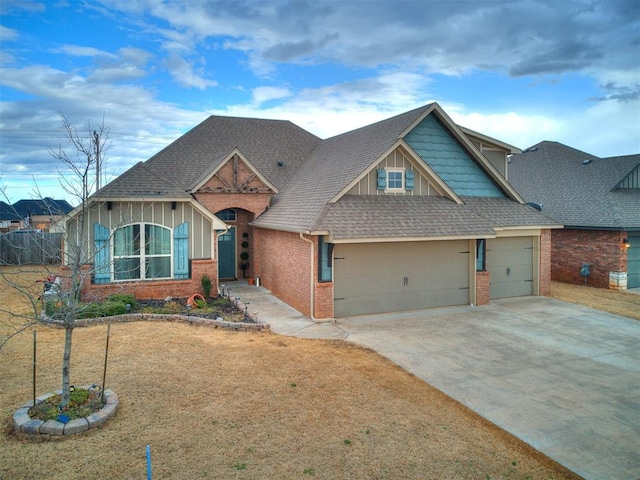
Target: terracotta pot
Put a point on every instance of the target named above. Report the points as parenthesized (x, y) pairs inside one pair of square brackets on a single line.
[(250, 280), (192, 300)]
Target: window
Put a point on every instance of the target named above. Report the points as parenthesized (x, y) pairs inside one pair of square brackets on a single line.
[(325, 261), (481, 255), (141, 252), (395, 180), (227, 215)]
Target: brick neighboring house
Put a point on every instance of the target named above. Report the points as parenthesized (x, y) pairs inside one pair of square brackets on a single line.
[(410, 212), (598, 202)]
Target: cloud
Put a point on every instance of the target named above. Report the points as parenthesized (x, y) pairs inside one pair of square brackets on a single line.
[(80, 51), (183, 73), (262, 95), (442, 35), (140, 125), (387, 55), (8, 34)]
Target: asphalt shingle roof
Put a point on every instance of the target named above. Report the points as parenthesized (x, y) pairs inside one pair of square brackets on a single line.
[(402, 216), (421, 216), (575, 188), (312, 174), (331, 167), (42, 206), (176, 169)]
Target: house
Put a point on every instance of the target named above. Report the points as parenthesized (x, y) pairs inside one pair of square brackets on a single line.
[(598, 202), (8, 219), (33, 214), (410, 212)]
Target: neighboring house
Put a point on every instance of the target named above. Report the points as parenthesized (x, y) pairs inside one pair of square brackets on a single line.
[(598, 202), (8, 219), (38, 214), (410, 212)]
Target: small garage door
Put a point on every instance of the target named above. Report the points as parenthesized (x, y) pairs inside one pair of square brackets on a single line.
[(633, 261), (510, 266), (388, 277)]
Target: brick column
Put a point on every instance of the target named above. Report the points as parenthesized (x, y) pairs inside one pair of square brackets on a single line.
[(544, 274), (483, 289)]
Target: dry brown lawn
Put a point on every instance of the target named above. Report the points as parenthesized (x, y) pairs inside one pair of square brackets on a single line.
[(217, 404), (612, 301)]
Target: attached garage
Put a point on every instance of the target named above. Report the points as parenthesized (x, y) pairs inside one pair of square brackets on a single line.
[(388, 277), (510, 266), (633, 261)]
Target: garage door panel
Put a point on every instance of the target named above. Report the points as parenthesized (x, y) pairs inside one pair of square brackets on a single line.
[(375, 278), (510, 266)]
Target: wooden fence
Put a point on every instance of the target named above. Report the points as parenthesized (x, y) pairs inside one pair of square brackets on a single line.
[(30, 247)]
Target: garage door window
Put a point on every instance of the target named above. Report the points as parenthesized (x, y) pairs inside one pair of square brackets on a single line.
[(481, 255), (325, 264)]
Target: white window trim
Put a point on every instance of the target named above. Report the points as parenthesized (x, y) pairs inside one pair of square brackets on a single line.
[(395, 170), (142, 256)]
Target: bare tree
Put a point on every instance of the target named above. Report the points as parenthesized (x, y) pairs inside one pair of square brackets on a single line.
[(79, 174)]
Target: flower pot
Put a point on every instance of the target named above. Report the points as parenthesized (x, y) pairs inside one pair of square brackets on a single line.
[(192, 300), (250, 280)]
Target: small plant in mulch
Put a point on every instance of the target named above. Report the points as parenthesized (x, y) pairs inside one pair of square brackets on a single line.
[(116, 304), (119, 304), (211, 308), (82, 404)]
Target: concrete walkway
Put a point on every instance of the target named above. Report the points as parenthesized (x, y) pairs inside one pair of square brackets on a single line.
[(561, 377)]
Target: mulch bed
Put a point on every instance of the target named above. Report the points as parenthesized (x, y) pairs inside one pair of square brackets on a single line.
[(218, 307)]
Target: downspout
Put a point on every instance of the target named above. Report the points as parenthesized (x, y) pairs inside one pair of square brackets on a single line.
[(312, 290)]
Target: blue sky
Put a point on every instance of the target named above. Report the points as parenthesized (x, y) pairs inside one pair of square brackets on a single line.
[(520, 71)]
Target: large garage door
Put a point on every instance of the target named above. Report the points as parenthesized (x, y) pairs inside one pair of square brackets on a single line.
[(388, 277), (510, 266), (633, 261)]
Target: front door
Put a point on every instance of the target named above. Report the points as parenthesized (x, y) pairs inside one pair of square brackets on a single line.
[(227, 254)]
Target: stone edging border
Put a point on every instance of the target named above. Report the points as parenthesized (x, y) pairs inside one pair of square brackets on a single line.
[(52, 429), (190, 319)]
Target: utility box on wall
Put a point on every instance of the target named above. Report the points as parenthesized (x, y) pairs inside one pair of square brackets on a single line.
[(618, 280)]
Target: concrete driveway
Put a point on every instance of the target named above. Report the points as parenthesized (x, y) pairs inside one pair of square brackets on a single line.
[(563, 378)]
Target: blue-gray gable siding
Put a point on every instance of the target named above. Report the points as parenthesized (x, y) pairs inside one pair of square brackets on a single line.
[(449, 160)]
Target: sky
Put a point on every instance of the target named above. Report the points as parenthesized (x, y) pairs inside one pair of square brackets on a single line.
[(147, 71)]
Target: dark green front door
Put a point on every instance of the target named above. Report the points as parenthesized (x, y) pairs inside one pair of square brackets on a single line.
[(227, 254)]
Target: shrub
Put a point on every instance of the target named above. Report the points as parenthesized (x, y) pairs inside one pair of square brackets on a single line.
[(113, 305), (206, 286), (123, 298)]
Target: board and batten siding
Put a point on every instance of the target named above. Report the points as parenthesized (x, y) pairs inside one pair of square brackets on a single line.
[(159, 213), (449, 160), (396, 159)]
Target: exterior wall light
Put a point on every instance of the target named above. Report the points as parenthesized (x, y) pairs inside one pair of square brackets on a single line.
[(626, 243)]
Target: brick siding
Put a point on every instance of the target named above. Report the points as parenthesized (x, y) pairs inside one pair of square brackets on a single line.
[(603, 250), (483, 289), (544, 273), (157, 289), (282, 261)]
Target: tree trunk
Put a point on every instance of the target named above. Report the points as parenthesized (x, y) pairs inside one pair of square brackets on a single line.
[(66, 366)]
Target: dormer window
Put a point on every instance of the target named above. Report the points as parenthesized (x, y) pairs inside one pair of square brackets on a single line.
[(395, 179)]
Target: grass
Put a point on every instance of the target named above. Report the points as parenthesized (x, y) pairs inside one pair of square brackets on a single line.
[(252, 405), (612, 301), (210, 401)]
